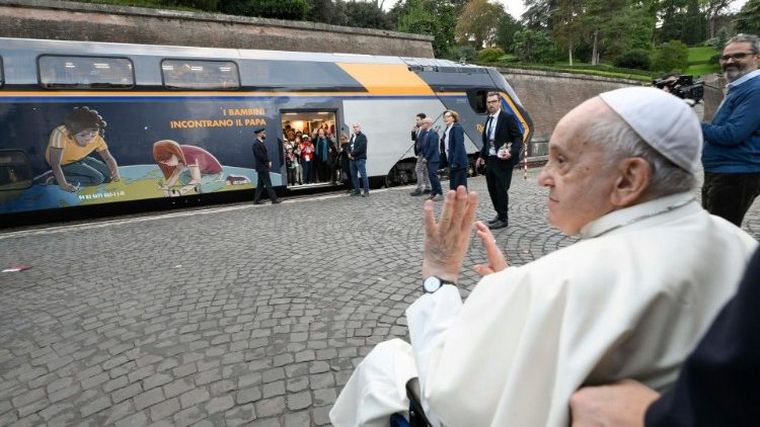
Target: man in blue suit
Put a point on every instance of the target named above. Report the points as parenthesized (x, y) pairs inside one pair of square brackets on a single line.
[(432, 156)]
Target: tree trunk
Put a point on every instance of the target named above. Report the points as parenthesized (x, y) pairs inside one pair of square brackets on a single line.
[(594, 51), (570, 53)]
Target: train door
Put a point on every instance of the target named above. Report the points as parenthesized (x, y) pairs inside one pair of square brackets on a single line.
[(311, 148)]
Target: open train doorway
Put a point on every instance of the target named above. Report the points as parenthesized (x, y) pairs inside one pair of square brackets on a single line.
[(311, 148)]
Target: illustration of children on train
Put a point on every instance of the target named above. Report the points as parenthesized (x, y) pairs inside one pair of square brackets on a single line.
[(187, 168), (69, 148)]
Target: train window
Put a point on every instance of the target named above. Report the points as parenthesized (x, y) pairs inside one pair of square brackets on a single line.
[(85, 72), (203, 75), (15, 170), (477, 98)]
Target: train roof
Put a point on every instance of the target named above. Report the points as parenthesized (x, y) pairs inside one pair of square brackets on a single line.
[(69, 47)]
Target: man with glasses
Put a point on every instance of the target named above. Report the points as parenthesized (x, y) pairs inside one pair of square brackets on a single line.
[(731, 155)]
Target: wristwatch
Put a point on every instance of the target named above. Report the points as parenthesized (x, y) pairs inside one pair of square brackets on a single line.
[(433, 283)]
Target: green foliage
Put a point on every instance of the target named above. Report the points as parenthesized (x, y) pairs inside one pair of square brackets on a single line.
[(467, 53), (748, 19), (534, 46), (490, 54), (505, 32), (635, 58), (278, 9), (671, 56), (436, 18), (208, 5), (683, 20), (365, 15), (477, 22)]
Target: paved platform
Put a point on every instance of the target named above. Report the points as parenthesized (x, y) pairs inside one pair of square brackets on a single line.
[(234, 315)]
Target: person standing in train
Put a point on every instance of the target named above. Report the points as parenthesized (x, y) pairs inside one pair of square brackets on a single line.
[(358, 156), (263, 165), (502, 143), (453, 142)]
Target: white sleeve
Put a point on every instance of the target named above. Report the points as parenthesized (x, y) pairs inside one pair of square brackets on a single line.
[(429, 318)]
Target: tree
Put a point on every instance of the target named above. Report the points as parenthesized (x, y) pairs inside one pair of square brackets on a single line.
[(713, 9), (534, 46), (748, 19), (505, 32), (477, 22), (436, 18), (565, 22), (366, 15), (538, 14)]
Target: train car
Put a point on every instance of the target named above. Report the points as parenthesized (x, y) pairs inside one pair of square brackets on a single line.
[(89, 123)]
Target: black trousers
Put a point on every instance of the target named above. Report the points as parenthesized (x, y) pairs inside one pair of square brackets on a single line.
[(263, 182), (729, 195), (457, 177), (498, 179)]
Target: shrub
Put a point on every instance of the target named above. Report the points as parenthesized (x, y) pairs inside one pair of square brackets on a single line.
[(638, 59), (671, 56), (490, 54), (467, 53)]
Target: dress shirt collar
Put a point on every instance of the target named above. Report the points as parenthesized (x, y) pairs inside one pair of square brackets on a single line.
[(625, 217), (743, 79), (496, 114)]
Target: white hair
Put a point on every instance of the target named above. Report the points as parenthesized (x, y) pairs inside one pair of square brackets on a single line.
[(618, 141)]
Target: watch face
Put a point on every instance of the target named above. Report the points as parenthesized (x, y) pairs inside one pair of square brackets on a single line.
[(431, 284)]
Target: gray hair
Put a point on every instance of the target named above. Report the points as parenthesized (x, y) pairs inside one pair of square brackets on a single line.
[(619, 141), (746, 38)]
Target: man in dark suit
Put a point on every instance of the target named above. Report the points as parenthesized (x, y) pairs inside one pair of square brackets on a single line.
[(431, 153), (453, 142), (263, 165), (502, 143), (358, 157)]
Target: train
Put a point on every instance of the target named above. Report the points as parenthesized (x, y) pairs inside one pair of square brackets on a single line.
[(143, 104)]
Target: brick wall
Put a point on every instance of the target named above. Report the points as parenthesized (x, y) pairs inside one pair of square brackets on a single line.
[(63, 20)]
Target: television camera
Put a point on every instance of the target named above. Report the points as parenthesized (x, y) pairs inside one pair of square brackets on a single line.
[(682, 86)]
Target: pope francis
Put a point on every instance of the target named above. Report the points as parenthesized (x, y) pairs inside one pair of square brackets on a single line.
[(629, 300)]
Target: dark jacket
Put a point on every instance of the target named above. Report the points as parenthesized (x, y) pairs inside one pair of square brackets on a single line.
[(506, 131), (430, 146), (417, 148), (260, 156), (457, 156), (360, 147)]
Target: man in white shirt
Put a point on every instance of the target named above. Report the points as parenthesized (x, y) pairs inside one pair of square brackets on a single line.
[(630, 300)]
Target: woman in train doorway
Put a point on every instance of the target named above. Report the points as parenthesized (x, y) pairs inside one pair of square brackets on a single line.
[(187, 168), (69, 148), (345, 163)]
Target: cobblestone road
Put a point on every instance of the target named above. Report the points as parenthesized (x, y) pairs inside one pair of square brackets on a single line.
[(224, 316)]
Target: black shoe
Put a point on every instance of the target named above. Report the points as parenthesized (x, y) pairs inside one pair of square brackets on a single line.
[(274, 202), (355, 193), (426, 192), (497, 225), (494, 220), (258, 203), (416, 193), (365, 194), (435, 197)]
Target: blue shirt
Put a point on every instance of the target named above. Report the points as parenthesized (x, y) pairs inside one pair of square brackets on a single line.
[(732, 140)]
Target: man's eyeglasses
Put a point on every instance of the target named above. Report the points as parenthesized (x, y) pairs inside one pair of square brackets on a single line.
[(736, 56)]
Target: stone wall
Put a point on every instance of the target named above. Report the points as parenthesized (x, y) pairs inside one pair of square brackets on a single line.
[(549, 95), (63, 20)]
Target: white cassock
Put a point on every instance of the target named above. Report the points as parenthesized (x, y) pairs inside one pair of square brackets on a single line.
[(630, 300)]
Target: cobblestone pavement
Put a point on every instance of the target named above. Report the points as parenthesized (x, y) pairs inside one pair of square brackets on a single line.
[(224, 316)]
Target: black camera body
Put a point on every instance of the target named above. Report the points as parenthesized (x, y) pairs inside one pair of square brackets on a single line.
[(682, 86)]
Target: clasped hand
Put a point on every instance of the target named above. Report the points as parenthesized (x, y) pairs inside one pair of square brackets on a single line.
[(447, 240)]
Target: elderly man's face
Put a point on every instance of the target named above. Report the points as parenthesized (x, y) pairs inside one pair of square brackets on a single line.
[(579, 180), (738, 60)]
